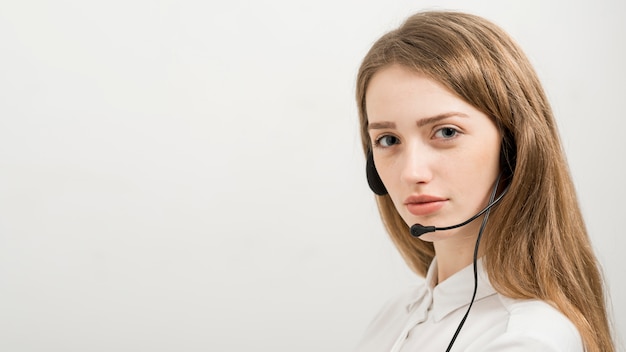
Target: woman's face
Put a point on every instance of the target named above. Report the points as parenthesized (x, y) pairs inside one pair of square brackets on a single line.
[(437, 155)]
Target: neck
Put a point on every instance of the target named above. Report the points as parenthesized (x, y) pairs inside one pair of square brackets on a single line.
[(454, 254)]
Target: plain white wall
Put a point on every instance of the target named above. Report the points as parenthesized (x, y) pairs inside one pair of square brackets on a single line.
[(186, 175)]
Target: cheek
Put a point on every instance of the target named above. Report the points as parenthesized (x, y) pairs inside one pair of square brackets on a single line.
[(491, 157), (484, 168), (386, 170), (389, 173), (485, 151)]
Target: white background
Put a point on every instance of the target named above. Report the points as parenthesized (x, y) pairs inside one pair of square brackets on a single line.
[(187, 176)]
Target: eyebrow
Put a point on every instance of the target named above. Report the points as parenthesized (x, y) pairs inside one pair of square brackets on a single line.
[(420, 123)]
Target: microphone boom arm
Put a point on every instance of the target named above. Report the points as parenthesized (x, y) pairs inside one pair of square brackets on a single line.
[(417, 230)]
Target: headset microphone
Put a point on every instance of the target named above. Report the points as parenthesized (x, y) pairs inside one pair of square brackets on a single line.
[(418, 229)]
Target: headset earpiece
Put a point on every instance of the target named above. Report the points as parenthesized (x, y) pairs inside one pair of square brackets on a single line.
[(373, 179)]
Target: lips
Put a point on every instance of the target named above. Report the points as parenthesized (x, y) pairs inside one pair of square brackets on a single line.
[(424, 204)]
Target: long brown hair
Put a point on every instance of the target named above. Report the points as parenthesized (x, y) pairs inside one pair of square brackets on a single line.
[(536, 243)]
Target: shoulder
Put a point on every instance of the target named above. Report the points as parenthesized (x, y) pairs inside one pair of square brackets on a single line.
[(535, 325)]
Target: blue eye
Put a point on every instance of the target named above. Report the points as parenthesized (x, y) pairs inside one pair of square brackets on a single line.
[(387, 141), (446, 133)]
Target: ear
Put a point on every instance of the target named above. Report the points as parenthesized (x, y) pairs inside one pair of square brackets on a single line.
[(373, 179)]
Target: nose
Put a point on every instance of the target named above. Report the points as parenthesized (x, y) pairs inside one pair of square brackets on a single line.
[(417, 163)]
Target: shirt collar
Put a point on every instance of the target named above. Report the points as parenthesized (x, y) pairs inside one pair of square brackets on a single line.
[(454, 293), (425, 293)]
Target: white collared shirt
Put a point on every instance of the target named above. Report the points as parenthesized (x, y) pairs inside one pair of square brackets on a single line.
[(426, 318)]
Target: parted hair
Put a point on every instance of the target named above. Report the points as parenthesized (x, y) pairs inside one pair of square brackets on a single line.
[(536, 243)]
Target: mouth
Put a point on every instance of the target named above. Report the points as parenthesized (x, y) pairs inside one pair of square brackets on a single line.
[(424, 204)]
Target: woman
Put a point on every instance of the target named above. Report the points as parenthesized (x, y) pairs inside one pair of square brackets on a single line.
[(454, 122)]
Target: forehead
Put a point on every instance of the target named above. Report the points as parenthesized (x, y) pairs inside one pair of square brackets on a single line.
[(399, 92)]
